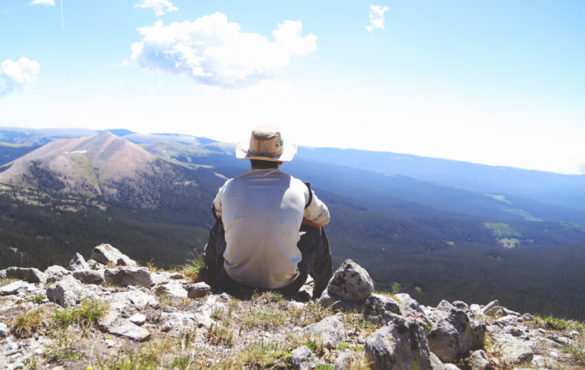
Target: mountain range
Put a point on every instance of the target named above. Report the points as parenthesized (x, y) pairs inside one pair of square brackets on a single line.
[(439, 228)]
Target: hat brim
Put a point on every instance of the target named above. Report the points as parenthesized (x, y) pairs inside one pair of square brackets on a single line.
[(288, 153)]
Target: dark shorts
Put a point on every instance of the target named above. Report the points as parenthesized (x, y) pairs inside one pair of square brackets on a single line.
[(316, 261)]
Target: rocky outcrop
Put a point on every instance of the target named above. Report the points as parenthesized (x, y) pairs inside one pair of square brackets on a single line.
[(401, 345), (29, 274), (350, 282), (65, 292), (106, 254), (351, 327)]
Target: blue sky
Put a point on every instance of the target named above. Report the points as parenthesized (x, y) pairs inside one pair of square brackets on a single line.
[(495, 82)]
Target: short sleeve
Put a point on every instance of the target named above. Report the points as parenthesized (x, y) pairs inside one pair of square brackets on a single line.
[(317, 211)]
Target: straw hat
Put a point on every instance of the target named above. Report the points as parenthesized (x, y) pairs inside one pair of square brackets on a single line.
[(266, 144)]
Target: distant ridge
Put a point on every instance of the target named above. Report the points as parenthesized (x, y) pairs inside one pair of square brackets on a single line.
[(103, 166)]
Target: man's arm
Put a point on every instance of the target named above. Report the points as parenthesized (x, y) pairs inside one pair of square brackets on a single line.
[(217, 201), (316, 214)]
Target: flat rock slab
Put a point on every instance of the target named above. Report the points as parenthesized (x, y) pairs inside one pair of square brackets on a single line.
[(124, 276), (114, 323), (14, 287), (90, 276)]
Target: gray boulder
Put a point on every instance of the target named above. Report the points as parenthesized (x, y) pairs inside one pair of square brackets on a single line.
[(66, 292), (410, 307), (90, 276), (399, 345), (455, 335), (55, 273), (302, 358), (29, 274), (124, 276), (479, 361), (78, 263), (345, 359), (105, 254), (381, 309), (115, 324), (351, 282), (198, 290), (330, 330), (3, 274), (513, 350)]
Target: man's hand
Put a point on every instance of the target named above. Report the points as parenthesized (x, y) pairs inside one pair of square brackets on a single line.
[(308, 222)]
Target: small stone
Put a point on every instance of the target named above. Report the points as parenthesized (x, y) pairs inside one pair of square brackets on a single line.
[(198, 290), (345, 359), (380, 308), (225, 297), (351, 282), (177, 276), (138, 319), (460, 305), (110, 343), (3, 330), (330, 330), (105, 253), (172, 289), (479, 361), (302, 358)]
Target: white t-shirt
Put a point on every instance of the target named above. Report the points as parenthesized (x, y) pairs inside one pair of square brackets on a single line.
[(262, 211)]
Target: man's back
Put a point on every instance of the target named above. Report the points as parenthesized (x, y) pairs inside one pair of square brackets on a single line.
[(262, 211)]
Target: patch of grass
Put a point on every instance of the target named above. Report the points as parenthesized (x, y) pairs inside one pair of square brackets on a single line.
[(267, 319), (359, 348), (85, 315), (324, 367), (577, 352), (342, 346), (61, 350), (194, 268), (150, 356), (38, 298), (182, 363), (28, 323), (554, 323), (220, 334), (395, 287), (260, 355)]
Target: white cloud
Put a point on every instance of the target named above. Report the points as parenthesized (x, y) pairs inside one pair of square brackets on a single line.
[(376, 17), (43, 2), (17, 74), (160, 7), (216, 52)]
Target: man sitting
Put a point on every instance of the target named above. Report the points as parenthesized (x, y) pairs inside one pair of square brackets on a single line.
[(269, 225)]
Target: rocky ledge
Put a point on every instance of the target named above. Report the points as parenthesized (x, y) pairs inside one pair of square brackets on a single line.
[(107, 312)]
